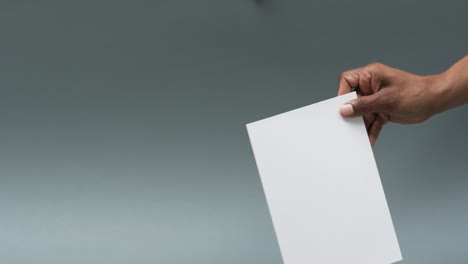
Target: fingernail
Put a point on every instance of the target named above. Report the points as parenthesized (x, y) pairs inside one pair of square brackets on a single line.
[(346, 110)]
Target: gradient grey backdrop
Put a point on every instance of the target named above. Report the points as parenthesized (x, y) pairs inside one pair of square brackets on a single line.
[(122, 123)]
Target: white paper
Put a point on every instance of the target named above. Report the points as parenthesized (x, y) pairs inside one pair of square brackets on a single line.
[(323, 188)]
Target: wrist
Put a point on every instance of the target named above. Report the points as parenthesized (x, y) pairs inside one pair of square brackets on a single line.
[(456, 78), (447, 91), (440, 95)]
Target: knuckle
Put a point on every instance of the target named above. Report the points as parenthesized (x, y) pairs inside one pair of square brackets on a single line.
[(375, 65), (362, 105), (349, 74), (343, 75), (366, 77)]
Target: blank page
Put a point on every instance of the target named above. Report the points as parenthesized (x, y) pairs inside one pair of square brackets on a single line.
[(323, 188)]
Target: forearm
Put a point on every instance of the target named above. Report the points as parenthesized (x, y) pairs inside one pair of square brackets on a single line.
[(454, 85)]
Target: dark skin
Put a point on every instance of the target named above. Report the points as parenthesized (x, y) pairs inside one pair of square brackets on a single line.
[(386, 94)]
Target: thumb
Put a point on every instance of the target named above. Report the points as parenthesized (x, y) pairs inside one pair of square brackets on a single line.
[(364, 105)]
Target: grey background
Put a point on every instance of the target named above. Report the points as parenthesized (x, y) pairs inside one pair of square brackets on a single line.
[(122, 123)]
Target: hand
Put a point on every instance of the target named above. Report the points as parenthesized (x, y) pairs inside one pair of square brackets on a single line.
[(388, 94)]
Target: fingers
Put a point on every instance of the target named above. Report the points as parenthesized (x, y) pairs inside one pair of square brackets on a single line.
[(382, 101), (347, 81), (375, 129), (369, 120), (375, 103), (360, 106), (364, 105), (366, 79), (360, 79)]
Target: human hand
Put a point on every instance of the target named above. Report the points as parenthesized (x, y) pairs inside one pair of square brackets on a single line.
[(388, 94)]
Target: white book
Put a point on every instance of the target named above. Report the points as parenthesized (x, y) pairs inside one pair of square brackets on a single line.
[(323, 188)]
